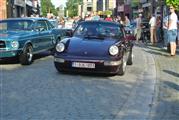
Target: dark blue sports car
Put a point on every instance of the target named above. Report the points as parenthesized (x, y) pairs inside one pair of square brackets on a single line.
[(96, 46)]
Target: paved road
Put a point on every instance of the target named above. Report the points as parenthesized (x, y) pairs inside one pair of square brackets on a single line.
[(39, 92), (166, 100)]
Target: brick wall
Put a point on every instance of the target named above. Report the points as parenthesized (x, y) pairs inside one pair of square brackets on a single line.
[(3, 9)]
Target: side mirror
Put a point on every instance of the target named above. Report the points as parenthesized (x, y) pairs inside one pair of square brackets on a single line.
[(69, 33)]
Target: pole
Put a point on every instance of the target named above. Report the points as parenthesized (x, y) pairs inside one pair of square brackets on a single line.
[(161, 25)]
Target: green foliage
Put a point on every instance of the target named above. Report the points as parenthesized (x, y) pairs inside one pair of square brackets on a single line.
[(174, 3), (107, 12), (72, 7), (48, 7)]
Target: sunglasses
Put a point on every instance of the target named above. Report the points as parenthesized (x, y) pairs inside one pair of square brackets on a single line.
[(171, 8)]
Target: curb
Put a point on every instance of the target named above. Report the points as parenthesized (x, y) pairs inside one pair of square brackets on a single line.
[(145, 90)]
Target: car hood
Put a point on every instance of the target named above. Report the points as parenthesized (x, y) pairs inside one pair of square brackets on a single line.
[(89, 47), (11, 35)]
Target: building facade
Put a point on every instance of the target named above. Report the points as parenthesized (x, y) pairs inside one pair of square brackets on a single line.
[(19, 8), (3, 9)]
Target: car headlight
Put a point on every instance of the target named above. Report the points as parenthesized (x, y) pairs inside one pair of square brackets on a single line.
[(60, 47), (113, 50), (15, 44)]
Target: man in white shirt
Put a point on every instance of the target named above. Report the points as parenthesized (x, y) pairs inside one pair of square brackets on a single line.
[(172, 30), (153, 36), (138, 27)]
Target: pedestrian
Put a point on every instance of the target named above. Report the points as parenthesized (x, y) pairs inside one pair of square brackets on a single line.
[(172, 30), (165, 36), (127, 21), (138, 27), (108, 18), (158, 28), (96, 16), (152, 23)]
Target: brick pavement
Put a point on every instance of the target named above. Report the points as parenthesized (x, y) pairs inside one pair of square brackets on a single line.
[(166, 100)]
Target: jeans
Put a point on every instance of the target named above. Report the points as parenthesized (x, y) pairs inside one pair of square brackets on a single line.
[(172, 35), (165, 36)]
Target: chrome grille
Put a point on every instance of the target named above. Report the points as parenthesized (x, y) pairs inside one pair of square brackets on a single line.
[(2, 44)]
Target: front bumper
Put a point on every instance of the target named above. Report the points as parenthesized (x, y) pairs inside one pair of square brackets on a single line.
[(8, 53), (101, 66)]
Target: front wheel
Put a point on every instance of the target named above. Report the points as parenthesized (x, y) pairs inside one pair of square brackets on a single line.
[(122, 67), (25, 57), (58, 68)]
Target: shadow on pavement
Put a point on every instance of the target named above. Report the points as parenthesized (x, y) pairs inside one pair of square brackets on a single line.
[(156, 49), (171, 85), (172, 73)]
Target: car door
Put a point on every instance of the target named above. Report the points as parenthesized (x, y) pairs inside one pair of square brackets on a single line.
[(44, 34)]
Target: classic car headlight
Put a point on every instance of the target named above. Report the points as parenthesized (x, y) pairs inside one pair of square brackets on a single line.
[(15, 44), (60, 47), (113, 50)]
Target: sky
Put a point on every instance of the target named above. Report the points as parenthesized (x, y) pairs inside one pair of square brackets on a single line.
[(57, 3)]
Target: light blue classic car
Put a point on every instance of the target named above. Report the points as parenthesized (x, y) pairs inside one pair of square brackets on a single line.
[(24, 37)]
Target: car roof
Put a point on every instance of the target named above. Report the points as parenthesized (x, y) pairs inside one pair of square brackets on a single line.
[(99, 21), (27, 18)]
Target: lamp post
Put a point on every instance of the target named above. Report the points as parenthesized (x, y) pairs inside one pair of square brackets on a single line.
[(11, 8), (161, 25)]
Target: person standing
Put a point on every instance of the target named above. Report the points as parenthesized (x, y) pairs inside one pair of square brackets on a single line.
[(165, 29), (153, 36), (108, 18), (138, 27), (158, 28), (172, 30)]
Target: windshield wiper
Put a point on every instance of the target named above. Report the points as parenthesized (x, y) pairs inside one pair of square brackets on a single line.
[(94, 37)]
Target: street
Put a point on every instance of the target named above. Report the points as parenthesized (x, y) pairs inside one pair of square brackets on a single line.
[(39, 92)]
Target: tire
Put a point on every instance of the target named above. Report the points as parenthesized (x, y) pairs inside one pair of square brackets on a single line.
[(58, 68), (122, 67), (130, 59), (26, 56)]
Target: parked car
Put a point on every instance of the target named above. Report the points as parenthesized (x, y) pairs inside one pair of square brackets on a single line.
[(24, 37), (54, 22), (96, 46)]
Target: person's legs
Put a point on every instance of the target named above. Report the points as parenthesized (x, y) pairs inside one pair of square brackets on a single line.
[(155, 35), (172, 38), (138, 34), (151, 36), (173, 48), (165, 37)]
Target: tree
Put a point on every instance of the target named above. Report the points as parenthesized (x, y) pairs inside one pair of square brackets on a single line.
[(72, 7), (48, 7), (174, 3)]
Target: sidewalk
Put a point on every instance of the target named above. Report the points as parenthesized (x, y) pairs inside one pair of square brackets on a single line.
[(166, 100)]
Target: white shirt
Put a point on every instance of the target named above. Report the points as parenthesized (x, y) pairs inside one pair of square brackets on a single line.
[(152, 22), (173, 18), (138, 22)]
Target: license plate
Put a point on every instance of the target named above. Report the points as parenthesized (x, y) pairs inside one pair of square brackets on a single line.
[(83, 65)]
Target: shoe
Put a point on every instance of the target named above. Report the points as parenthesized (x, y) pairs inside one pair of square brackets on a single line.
[(165, 48)]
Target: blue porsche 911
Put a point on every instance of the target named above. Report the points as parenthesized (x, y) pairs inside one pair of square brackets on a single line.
[(95, 46)]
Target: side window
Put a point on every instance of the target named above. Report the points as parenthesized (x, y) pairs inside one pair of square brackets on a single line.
[(50, 26), (42, 25)]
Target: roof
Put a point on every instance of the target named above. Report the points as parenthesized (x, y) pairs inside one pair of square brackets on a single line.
[(99, 21), (27, 18)]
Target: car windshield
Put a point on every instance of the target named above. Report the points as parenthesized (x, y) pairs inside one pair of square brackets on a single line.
[(98, 30), (54, 23), (25, 25)]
